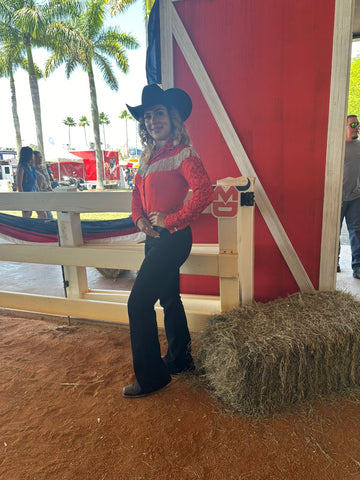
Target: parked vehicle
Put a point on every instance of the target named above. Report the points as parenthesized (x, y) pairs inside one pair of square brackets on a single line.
[(6, 176), (73, 180)]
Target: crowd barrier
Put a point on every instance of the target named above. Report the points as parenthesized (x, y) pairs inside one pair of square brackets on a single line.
[(232, 259)]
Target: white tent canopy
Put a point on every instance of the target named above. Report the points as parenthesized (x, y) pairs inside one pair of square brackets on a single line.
[(54, 154)]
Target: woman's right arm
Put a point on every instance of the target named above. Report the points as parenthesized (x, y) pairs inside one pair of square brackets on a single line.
[(19, 179), (138, 215), (136, 205)]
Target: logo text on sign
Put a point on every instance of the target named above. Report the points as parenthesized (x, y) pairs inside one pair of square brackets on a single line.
[(226, 202)]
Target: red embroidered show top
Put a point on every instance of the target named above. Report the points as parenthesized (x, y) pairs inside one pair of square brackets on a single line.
[(163, 184)]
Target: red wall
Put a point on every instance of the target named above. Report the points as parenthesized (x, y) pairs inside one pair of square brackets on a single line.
[(270, 62)]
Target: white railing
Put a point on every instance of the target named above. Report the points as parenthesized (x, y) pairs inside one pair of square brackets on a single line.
[(231, 259)]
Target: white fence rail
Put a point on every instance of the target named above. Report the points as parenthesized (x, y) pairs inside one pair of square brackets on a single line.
[(231, 259)]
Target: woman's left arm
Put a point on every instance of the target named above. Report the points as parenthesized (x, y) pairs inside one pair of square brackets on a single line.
[(198, 180)]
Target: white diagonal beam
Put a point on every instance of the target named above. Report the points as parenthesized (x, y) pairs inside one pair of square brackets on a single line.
[(237, 150)]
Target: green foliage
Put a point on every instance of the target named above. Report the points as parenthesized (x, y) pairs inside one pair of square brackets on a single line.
[(83, 121), (148, 5), (124, 115), (354, 88), (12, 52), (69, 121), (104, 119), (119, 6), (90, 42)]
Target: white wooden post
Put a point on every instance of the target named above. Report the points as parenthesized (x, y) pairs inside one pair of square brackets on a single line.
[(339, 90), (70, 234), (236, 237), (166, 45)]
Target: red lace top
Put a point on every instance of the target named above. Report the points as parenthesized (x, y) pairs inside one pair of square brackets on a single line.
[(163, 184)]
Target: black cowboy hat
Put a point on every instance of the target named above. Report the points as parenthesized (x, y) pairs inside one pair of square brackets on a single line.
[(154, 95)]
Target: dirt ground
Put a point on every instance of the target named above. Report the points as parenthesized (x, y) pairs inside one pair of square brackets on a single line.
[(63, 417)]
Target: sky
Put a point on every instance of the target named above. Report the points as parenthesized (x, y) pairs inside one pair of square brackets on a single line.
[(61, 97)]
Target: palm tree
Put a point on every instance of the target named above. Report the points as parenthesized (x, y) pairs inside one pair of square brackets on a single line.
[(4, 72), (104, 120), (84, 122), (119, 6), (125, 115), (89, 43), (69, 122), (12, 56), (30, 21)]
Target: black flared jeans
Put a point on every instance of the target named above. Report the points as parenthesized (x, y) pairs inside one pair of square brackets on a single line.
[(158, 279)]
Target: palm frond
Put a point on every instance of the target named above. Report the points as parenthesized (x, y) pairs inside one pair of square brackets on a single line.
[(24, 64), (64, 9), (106, 70), (7, 9), (52, 63), (120, 6), (55, 61), (30, 21), (64, 37), (104, 119), (71, 65), (114, 36), (3, 69), (92, 19), (9, 33), (83, 121), (12, 56)]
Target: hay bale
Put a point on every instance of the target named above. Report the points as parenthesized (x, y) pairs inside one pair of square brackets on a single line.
[(110, 272), (262, 357)]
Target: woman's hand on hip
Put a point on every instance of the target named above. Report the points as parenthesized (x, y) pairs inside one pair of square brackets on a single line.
[(145, 226), (157, 218)]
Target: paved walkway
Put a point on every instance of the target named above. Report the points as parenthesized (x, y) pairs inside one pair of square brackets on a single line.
[(345, 281), (47, 279)]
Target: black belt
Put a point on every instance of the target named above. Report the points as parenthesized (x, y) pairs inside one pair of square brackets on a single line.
[(159, 229)]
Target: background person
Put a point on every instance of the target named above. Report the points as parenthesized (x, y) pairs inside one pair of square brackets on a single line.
[(26, 177), (43, 179), (350, 208), (168, 168), (53, 182)]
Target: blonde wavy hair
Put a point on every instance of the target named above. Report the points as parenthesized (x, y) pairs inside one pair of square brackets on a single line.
[(179, 135)]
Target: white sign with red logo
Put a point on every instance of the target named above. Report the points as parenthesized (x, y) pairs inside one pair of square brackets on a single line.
[(226, 201)]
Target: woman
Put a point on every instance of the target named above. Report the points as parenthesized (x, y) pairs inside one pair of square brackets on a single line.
[(168, 168), (26, 177), (43, 178)]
